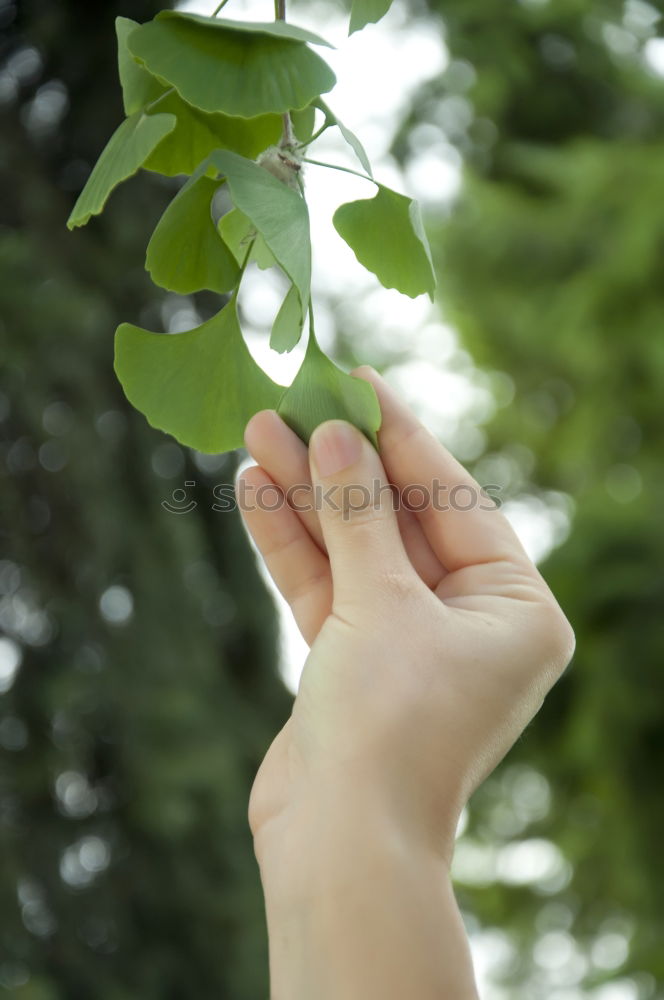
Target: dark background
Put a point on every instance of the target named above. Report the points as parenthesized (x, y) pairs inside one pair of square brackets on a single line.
[(148, 690)]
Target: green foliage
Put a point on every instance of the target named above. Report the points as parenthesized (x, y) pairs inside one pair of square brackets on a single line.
[(138, 86), (197, 134), (287, 327), (241, 237), (126, 151), (279, 214), (387, 236), (205, 97), (235, 67), (365, 12), (162, 373), (349, 136), (303, 121), (186, 253), (321, 391)]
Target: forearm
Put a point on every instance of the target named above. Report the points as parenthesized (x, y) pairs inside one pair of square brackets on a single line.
[(354, 914)]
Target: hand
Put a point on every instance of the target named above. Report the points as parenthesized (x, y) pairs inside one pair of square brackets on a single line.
[(434, 638)]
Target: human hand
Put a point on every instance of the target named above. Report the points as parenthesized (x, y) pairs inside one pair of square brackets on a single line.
[(434, 638)]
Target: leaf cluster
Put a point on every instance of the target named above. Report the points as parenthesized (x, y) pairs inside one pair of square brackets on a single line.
[(232, 106)]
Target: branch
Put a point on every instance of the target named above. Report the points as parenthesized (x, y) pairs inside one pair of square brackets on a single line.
[(288, 140)]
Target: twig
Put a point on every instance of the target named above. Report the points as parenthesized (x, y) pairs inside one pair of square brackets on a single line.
[(346, 170), (288, 140)]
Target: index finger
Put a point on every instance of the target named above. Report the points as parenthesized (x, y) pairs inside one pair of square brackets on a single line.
[(461, 522)]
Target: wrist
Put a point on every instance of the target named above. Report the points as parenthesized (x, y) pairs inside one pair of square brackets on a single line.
[(320, 842), (323, 834), (334, 814), (348, 892)]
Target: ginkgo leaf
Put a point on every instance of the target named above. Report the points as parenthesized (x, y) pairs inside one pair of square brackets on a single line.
[(186, 253), (197, 133), (126, 151), (210, 61), (320, 391), (303, 125), (365, 12), (278, 212), (138, 86), (387, 236), (239, 233), (201, 386), (277, 29), (287, 327), (349, 136)]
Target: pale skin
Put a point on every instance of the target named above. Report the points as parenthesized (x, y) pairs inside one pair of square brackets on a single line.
[(433, 642)]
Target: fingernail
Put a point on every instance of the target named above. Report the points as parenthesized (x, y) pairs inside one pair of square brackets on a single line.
[(334, 446), (367, 369)]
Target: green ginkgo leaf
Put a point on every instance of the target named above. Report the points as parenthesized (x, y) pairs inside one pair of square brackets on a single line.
[(349, 136), (239, 234), (126, 151), (387, 236), (201, 386), (303, 125), (197, 133), (186, 253), (278, 212), (287, 327), (365, 12), (210, 61), (320, 391), (138, 86), (276, 29)]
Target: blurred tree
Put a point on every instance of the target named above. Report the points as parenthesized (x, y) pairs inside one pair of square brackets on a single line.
[(551, 268), (146, 694), (142, 641)]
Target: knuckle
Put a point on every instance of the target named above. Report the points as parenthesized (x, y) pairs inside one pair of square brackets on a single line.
[(567, 640), (257, 809), (398, 584), (557, 636), (358, 504), (307, 587), (361, 517)]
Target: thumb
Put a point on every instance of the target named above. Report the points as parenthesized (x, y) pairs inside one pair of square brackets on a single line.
[(356, 507)]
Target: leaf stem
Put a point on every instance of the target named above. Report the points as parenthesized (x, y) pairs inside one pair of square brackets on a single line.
[(326, 124), (288, 140), (152, 104), (243, 268), (312, 332), (218, 8), (346, 170)]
